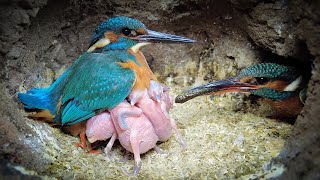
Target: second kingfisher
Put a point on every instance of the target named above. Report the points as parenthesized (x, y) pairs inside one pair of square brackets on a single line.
[(283, 87)]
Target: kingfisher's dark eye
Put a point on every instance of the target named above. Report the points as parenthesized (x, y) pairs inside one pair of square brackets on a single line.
[(126, 31), (262, 80)]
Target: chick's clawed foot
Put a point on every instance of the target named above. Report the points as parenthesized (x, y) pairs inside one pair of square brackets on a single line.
[(179, 136), (137, 168), (159, 150)]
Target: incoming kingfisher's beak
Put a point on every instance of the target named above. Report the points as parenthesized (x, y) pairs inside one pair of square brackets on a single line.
[(156, 37), (216, 87)]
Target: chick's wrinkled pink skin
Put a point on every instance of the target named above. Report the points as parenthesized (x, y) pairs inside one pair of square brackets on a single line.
[(135, 132), (155, 91), (100, 127), (157, 113), (139, 124)]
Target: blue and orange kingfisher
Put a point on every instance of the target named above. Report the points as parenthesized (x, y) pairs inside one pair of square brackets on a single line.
[(283, 87), (100, 78)]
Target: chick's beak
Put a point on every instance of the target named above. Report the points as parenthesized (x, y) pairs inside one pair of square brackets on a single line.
[(216, 87), (156, 37)]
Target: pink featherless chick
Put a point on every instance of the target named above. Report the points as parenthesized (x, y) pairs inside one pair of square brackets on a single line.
[(155, 104), (100, 128), (135, 132)]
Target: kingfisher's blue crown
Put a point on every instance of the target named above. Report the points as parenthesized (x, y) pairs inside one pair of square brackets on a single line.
[(270, 70), (116, 24)]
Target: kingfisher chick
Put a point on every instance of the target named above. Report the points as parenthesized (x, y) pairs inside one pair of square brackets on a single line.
[(283, 87), (100, 78)]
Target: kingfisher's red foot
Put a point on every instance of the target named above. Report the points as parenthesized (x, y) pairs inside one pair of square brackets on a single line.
[(83, 144), (95, 151), (83, 141)]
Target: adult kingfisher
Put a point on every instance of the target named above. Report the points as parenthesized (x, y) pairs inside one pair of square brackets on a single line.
[(283, 87), (100, 78)]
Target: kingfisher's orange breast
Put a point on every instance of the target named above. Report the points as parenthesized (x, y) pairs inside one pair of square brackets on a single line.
[(143, 71), (289, 108)]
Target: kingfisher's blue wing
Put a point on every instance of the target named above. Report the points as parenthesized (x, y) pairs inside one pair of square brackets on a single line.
[(97, 82)]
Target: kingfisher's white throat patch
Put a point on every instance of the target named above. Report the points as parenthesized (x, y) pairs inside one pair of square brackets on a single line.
[(136, 47), (99, 44), (294, 84)]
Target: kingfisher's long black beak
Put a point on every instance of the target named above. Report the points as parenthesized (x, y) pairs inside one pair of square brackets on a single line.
[(156, 37), (216, 87)]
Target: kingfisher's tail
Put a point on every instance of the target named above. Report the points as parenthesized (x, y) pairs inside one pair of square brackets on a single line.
[(37, 98), (41, 100), (46, 101)]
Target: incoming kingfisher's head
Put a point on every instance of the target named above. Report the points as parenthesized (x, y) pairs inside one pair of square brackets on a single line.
[(267, 80), (120, 33)]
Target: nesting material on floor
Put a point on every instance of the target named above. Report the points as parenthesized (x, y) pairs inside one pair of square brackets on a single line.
[(220, 144)]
